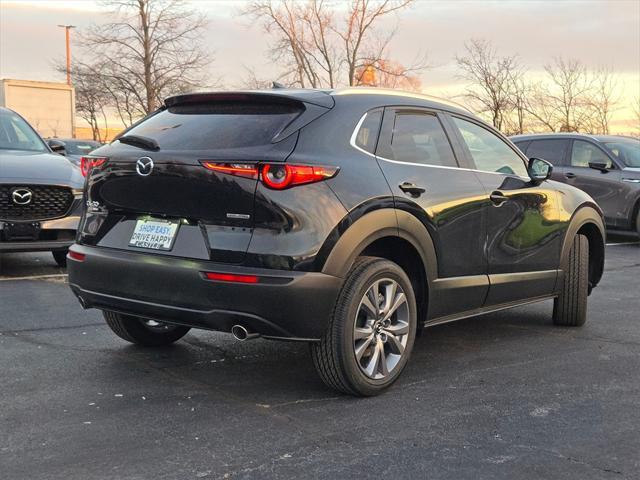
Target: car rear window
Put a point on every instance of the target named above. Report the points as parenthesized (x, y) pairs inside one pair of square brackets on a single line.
[(218, 126), (77, 148)]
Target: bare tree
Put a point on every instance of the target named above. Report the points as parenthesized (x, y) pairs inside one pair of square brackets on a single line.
[(602, 100), (357, 33), (492, 79), (302, 39), (153, 50), (635, 107), (317, 50), (92, 99), (566, 93)]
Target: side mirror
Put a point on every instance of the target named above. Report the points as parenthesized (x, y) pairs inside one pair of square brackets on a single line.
[(539, 170), (602, 166), (57, 146)]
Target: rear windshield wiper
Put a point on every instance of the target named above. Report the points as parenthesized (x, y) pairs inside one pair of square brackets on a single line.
[(138, 141)]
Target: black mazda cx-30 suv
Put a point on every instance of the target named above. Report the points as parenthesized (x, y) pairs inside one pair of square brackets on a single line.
[(346, 218)]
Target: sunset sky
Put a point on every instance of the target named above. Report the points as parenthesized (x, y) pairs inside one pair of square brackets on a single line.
[(599, 33)]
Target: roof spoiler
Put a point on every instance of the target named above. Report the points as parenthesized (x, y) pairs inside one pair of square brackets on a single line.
[(314, 97)]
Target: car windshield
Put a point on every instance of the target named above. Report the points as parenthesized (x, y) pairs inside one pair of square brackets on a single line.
[(626, 150), (80, 148), (16, 134)]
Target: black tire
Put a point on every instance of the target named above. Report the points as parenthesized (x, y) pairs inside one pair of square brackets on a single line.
[(334, 356), (133, 329), (570, 308), (60, 256)]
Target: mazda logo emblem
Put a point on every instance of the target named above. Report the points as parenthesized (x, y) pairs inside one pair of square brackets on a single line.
[(22, 196), (144, 166)]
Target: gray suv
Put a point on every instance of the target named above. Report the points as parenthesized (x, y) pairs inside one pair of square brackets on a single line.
[(607, 167), (40, 192)]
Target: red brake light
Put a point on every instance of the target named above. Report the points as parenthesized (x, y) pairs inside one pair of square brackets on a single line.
[(228, 277), (281, 176), (239, 169), (277, 176), (87, 163), (77, 256)]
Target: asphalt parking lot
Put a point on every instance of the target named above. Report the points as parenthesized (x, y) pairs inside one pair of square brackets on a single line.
[(505, 395)]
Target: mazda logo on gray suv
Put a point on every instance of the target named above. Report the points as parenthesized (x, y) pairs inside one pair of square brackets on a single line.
[(22, 196), (144, 166)]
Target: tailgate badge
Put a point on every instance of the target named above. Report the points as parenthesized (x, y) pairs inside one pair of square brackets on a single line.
[(144, 166)]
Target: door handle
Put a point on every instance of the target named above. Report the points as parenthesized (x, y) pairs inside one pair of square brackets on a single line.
[(411, 189), (498, 198), (570, 175)]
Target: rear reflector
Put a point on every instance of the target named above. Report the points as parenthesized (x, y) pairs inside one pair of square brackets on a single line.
[(229, 277), (78, 257)]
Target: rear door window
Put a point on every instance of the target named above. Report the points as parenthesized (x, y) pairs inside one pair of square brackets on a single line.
[(583, 153), (419, 138), (551, 150), (221, 125)]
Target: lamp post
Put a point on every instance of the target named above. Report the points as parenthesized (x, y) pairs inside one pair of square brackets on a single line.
[(67, 29)]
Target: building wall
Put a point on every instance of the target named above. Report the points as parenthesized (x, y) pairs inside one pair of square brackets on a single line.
[(48, 107)]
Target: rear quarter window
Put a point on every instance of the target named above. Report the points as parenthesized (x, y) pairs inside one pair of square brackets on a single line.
[(367, 135), (218, 126)]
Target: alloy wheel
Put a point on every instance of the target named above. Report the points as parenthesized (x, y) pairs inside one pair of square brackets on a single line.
[(381, 329)]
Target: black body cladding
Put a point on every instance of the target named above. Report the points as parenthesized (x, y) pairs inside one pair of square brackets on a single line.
[(471, 237)]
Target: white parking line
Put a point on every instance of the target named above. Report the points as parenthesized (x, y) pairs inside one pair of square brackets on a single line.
[(35, 277)]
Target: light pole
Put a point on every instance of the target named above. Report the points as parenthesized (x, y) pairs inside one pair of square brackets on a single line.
[(67, 28)]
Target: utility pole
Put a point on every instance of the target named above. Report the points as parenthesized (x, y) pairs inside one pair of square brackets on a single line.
[(67, 28)]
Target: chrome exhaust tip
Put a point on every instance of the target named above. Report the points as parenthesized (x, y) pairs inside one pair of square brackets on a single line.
[(242, 333), (83, 303)]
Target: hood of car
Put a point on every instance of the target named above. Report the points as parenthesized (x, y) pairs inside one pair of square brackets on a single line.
[(18, 166)]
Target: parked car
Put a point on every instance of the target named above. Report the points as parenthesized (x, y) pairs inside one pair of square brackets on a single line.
[(607, 167), (348, 219), (72, 148), (40, 192)]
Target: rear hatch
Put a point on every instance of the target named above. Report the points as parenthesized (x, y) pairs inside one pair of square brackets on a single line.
[(155, 171)]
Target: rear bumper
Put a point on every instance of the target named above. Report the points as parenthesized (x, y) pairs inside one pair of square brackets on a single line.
[(283, 304)]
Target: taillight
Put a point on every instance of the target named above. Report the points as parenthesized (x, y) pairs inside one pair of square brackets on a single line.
[(277, 176), (239, 169), (88, 163)]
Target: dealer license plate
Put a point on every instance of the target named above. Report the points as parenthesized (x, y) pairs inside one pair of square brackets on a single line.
[(154, 234)]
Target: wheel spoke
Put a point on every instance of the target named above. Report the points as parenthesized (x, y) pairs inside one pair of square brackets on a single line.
[(372, 367), (394, 343), (362, 347), (369, 307), (389, 296), (399, 300), (362, 332), (383, 359), (398, 329)]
